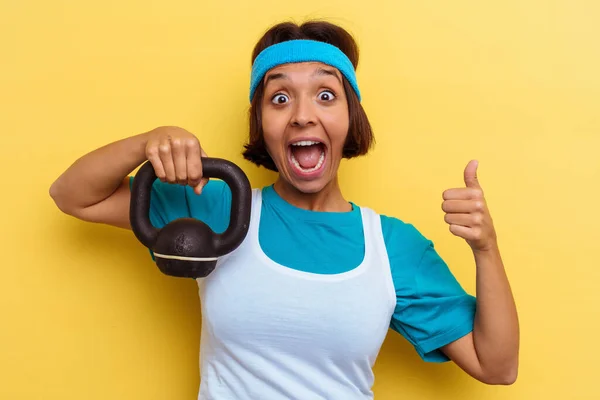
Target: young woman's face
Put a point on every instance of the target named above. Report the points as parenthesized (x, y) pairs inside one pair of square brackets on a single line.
[(305, 123)]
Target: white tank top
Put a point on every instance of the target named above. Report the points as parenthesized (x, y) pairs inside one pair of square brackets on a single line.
[(270, 332)]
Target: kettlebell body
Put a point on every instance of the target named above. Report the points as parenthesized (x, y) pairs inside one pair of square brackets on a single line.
[(187, 247)]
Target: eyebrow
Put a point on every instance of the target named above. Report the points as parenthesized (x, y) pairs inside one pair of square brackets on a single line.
[(323, 71), (276, 76), (318, 72)]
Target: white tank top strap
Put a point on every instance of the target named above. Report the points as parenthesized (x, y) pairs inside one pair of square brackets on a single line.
[(255, 211), (374, 235)]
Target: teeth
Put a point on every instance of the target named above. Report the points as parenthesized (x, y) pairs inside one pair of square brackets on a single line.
[(316, 167), (305, 143)]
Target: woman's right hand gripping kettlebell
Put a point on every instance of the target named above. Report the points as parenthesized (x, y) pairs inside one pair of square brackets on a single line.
[(176, 155)]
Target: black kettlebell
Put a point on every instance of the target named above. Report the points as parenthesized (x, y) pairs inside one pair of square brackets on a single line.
[(187, 247)]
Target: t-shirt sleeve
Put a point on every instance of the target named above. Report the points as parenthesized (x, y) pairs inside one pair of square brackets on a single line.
[(172, 201), (432, 308)]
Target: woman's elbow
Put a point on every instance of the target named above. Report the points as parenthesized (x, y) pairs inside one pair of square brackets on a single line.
[(58, 197), (507, 377), (62, 199)]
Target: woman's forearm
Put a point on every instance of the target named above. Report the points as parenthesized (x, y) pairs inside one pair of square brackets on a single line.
[(496, 329), (96, 175)]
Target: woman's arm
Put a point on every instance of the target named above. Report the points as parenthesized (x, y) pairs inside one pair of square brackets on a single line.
[(95, 187), (491, 352)]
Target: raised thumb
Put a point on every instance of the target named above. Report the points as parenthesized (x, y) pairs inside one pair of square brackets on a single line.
[(471, 175)]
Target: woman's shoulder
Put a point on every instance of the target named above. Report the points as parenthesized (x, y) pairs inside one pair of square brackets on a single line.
[(402, 236), (399, 227)]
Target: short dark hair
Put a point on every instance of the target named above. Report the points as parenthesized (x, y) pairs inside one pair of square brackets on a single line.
[(360, 135)]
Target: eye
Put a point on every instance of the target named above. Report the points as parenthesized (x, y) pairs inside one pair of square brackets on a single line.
[(326, 95), (280, 99)]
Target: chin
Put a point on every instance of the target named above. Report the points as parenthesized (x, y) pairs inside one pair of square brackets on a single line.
[(310, 187)]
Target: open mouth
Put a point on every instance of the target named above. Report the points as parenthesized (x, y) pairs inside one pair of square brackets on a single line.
[(307, 156)]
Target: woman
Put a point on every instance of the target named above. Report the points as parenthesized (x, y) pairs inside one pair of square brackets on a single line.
[(301, 308)]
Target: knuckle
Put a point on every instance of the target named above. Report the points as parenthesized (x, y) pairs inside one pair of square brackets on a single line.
[(152, 151), (191, 143), (176, 142), (164, 149)]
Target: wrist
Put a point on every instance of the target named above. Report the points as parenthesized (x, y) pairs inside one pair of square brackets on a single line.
[(487, 250), (487, 256), (140, 143)]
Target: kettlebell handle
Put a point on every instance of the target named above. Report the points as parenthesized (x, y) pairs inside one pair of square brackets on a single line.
[(219, 168)]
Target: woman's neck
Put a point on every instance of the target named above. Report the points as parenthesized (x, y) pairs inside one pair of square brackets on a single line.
[(329, 199)]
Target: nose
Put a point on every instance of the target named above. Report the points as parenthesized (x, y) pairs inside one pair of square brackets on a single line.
[(303, 113)]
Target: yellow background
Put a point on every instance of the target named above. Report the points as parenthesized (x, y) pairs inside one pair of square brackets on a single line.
[(85, 314)]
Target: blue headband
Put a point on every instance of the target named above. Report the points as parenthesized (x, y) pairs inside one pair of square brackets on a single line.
[(294, 51)]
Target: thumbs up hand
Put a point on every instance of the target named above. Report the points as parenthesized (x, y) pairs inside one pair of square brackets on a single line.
[(467, 213)]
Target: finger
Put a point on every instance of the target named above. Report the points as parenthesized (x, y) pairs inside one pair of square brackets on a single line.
[(463, 194), (179, 160), (198, 188), (470, 175), (166, 157), (204, 180), (459, 219), (463, 232), (462, 206), (152, 154), (194, 163)]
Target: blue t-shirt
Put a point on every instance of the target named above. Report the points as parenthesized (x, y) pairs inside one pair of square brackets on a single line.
[(432, 308)]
